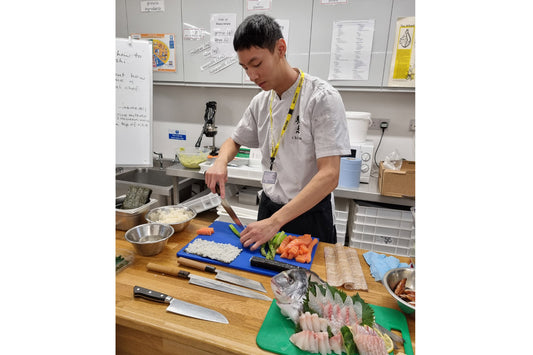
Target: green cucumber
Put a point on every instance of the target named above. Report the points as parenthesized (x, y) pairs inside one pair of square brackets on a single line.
[(234, 230)]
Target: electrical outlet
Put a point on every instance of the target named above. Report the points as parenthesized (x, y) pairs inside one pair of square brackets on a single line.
[(412, 125), (376, 123)]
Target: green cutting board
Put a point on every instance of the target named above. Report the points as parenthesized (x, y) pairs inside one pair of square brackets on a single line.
[(276, 330)]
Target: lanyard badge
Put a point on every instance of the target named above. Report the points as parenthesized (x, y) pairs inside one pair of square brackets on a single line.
[(275, 147)]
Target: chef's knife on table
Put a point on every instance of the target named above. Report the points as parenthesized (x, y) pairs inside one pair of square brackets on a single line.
[(205, 282), (223, 275), (228, 208), (180, 307)]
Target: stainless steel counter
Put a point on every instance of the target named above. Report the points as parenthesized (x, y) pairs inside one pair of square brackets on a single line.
[(365, 192)]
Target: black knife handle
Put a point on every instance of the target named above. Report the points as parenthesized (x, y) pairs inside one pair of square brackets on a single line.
[(183, 274), (148, 294), (272, 264)]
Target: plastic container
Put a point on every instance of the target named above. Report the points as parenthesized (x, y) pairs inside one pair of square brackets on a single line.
[(383, 230), (358, 123), (350, 172), (126, 219), (203, 203)]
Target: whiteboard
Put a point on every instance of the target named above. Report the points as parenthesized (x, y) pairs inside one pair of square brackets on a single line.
[(133, 89)]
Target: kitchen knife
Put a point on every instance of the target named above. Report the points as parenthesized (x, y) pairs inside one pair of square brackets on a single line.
[(276, 265), (209, 283), (394, 337), (228, 208), (223, 275), (180, 307)]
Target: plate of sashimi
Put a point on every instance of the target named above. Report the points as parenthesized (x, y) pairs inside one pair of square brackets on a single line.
[(310, 316)]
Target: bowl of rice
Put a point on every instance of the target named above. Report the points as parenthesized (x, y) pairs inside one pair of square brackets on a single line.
[(177, 216)]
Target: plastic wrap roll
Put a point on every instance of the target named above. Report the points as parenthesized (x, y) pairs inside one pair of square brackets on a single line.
[(350, 172)]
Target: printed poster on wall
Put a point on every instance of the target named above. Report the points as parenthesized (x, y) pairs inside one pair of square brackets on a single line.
[(402, 70), (163, 49), (351, 50)]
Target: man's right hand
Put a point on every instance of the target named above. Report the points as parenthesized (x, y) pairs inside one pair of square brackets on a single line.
[(217, 174)]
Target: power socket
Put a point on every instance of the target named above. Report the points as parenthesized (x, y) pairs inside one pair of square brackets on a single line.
[(376, 123), (412, 125)]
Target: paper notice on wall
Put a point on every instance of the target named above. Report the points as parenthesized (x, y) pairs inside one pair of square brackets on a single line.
[(333, 2), (152, 5), (259, 4), (351, 50), (163, 50), (402, 70), (222, 30)]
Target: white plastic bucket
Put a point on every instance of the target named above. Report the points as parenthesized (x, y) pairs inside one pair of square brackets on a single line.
[(358, 123)]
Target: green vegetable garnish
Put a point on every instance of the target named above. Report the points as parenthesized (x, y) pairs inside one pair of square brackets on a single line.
[(268, 250), (347, 338), (234, 230)]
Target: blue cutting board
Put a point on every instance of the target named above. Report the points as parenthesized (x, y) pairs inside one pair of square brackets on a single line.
[(223, 234)]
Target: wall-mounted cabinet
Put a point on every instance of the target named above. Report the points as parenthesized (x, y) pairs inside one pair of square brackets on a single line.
[(164, 22), (311, 29), (296, 16), (324, 19), (203, 61), (400, 8)]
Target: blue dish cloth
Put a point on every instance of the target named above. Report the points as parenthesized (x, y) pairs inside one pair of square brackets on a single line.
[(380, 264)]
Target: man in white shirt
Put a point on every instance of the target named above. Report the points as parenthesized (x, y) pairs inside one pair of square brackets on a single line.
[(299, 123)]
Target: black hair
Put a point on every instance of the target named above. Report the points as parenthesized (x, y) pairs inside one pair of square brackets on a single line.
[(257, 31)]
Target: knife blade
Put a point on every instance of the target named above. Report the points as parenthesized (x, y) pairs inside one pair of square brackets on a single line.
[(398, 340), (180, 307), (223, 275), (209, 283), (228, 208)]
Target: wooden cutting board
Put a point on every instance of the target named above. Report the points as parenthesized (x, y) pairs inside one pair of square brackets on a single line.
[(276, 330), (223, 234)]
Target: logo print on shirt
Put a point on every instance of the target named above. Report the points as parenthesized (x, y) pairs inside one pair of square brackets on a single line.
[(297, 132)]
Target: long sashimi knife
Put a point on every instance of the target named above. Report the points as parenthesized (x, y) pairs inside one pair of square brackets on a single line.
[(223, 275), (180, 307), (229, 209), (209, 283)]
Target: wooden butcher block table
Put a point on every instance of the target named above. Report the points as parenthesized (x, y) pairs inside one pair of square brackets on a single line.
[(145, 327)]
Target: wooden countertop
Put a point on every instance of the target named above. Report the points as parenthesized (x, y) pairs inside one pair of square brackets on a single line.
[(144, 327)]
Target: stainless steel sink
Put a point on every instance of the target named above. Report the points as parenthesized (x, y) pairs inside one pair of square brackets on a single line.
[(155, 179), (146, 176)]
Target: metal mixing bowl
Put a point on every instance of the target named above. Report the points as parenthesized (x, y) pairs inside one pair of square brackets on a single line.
[(149, 239), (161, 215), (391, 279)]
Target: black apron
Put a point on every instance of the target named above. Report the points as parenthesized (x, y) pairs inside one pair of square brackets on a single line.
[(318, 221)]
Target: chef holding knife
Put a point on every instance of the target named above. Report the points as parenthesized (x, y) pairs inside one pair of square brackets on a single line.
[(298, 121)]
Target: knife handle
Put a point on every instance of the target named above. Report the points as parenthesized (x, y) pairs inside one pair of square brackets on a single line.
[(196, 265), (274, 265), (183, 274), (148, 294), (170, 270)]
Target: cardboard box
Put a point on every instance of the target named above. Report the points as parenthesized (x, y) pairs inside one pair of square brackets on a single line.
[(397, 183)]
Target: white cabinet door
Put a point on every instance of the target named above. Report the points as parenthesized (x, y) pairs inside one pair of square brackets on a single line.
[(159, 22), (201, 63), (324, 17)]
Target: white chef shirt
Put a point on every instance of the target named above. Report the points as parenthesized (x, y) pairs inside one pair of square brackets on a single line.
[(317, 129)]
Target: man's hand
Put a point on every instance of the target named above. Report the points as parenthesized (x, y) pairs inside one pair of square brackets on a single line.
[(217, 174), (258, 233)]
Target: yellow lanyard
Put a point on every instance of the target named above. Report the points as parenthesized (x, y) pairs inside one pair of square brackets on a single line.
[(274, 149)]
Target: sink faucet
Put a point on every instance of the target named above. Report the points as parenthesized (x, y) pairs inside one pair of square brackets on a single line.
[(160, 159)]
